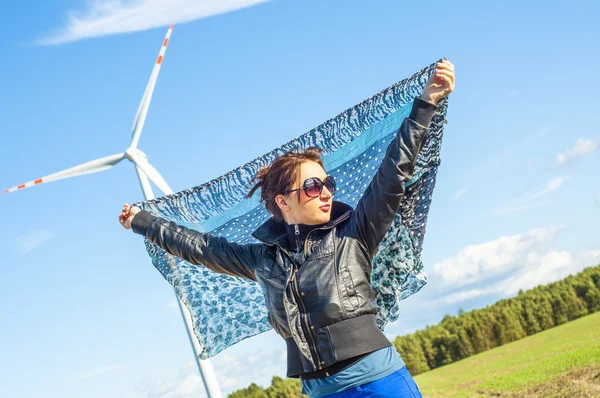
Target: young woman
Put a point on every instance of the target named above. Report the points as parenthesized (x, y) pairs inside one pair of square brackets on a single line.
[(314, 260)]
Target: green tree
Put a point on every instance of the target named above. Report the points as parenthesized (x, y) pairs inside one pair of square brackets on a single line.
[(410, 349), (253, 391), (284, 388), (544, 310), (532, 325)]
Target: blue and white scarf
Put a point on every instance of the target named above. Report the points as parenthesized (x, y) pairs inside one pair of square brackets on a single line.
[(225, 309)]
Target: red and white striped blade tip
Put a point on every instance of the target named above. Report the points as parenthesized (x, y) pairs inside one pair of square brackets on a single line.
[(26, 185)]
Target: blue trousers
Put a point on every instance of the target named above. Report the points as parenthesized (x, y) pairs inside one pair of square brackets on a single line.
[(399, 384)]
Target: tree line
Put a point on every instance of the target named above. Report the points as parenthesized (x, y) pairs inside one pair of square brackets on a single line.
[(469, 333), (538, 309)]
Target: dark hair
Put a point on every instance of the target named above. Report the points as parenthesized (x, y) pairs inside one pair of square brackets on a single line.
[(278, 177)]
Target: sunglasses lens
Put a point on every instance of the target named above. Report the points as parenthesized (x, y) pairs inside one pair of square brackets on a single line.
[(330, 184), (313, 187)]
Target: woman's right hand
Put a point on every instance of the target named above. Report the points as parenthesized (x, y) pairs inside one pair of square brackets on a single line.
[(127, 215), (440, 84)]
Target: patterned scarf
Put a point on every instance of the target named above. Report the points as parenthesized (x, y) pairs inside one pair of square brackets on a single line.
[(225, 309)]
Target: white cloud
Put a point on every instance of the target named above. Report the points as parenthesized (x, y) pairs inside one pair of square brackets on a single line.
[(582, 147), (109, 17), (506, 153), (592, 254), (540, 269), (459, 194), (506, 265), (234, 372), (481, 262), (186, 384), (99, 371), (552, 185), (516, 209), (33, 240)]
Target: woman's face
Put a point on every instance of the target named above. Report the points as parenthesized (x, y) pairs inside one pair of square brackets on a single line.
[(298, 208)]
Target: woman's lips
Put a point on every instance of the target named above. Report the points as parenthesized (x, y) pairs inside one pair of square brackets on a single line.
[(325, 207)]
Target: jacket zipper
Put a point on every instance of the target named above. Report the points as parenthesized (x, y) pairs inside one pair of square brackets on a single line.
[(303, 313), (304, 321), (296, 291)]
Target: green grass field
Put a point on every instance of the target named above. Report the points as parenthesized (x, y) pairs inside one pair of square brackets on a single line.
[(560, 362)]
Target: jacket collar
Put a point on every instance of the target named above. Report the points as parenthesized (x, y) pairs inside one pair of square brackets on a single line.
[(297, 233), (273, 232)]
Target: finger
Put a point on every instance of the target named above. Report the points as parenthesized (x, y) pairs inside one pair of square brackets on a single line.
[(449, 74), (446, 76), (448, 81), (444, 66), (446, 63)]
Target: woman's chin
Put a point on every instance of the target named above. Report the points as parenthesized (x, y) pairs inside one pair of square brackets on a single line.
[(325, 217), (317, 218)]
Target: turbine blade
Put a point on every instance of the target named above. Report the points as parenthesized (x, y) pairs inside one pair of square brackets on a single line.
[(140, 116), (94, 166), (153, 175), (145, 183)]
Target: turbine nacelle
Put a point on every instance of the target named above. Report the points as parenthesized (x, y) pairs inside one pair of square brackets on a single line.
[(132, 153)]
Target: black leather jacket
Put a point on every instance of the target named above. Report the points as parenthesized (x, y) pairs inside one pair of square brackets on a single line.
[(325, 309)]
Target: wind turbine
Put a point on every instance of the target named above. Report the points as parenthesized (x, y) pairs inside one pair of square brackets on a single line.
[(146, 173)]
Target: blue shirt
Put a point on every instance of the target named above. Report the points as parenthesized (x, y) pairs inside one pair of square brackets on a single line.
[(374, 366)]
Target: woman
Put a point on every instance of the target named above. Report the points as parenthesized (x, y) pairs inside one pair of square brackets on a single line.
[(314, 260)]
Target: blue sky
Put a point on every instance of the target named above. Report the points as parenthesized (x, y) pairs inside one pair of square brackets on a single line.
[(517, 201)]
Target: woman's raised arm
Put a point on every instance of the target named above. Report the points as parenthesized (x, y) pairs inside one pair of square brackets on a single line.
[(216, 253), (378, 206)]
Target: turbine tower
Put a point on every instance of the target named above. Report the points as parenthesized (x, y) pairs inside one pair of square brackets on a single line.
[(146, 173)]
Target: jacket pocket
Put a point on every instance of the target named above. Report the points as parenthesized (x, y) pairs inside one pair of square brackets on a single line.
[(348, 290), (271, 269), (273, 283)]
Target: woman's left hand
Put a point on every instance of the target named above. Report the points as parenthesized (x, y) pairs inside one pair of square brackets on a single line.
[(127, 214), (440, 84)]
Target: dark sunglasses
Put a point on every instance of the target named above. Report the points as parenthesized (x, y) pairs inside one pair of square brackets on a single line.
[(314, 186)]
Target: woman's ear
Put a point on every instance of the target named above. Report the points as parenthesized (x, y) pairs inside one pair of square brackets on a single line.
[(281, 202)]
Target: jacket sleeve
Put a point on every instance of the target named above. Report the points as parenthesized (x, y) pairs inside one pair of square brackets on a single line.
[(378, 206), (215, 253)]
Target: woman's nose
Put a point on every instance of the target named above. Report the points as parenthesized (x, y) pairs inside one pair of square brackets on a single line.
[(326, 193)]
